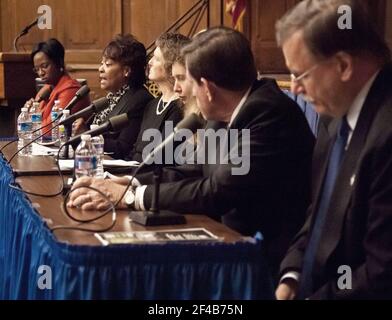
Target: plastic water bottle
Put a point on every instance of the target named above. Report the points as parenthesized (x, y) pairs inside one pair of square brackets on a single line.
[(54, 115), (36, 120), (24, 132), (98, 143), (63, 136), (85, 158)]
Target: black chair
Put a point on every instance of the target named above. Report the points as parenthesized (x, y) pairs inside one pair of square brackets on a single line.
[(311, 115)]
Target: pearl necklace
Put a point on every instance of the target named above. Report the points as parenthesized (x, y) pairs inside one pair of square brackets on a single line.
[(165, 105)]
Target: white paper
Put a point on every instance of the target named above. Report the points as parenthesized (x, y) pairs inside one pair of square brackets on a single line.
[(39, 150), (69, 163), (119, 163), (66, 164)]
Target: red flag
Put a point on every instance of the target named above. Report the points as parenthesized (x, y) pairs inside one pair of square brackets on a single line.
[(237, 9)]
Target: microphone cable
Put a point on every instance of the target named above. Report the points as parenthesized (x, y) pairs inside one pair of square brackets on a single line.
[(34, 131), (112, 207), (34, 140), (191, 121), (46, 195)]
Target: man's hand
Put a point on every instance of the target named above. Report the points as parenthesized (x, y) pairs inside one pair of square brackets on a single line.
[(88, 199), (287, 289)]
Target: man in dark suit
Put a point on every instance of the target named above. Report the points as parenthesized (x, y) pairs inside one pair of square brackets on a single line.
[(268, 189), (344, 250)]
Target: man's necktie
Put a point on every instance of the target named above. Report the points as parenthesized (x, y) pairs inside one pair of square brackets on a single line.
[(336, 155)]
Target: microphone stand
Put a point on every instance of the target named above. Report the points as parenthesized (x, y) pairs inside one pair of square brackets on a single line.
[(23, 33), (66, 146), (65, 155), (156, 217)]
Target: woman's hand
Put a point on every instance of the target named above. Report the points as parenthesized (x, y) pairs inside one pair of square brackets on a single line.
[(29, 103)]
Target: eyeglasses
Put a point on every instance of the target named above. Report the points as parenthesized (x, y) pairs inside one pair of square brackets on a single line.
[(43, 66), (303, 75)]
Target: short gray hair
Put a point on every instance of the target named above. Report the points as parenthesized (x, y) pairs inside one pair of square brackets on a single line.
[(318, 19)]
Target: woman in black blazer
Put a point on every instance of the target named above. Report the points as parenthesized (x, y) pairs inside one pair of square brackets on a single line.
[(122, 74), (167, 108)]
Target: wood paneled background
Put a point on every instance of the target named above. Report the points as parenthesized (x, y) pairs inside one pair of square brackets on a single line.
[(85, 26)]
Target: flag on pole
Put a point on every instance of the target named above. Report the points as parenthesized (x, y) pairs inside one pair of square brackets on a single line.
[(237, 9)]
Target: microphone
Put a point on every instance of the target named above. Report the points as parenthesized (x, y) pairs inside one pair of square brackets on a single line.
[(45, 94), (24, 32), (115, 123), (155, 216), (192, 122), (81, 93), (97, 106), (26, 29)]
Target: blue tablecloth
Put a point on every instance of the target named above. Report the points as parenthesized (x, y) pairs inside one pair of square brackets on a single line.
[(172, 271)]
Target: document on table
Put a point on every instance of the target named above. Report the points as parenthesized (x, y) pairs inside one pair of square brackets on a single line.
[(69, 164), (40, 150)]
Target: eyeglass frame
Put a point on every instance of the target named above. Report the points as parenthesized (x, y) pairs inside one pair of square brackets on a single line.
[(42, 67), (298, 79)]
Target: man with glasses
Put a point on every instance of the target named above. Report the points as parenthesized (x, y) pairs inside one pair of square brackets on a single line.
[(344, 249)]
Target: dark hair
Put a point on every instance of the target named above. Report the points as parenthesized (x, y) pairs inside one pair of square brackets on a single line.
[(128, 51), (170, 45), (53, 49), (223, 56), (318, 19)]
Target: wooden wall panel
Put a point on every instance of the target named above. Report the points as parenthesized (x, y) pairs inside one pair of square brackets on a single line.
[(147, 19), (85, 26), (263, 15), (78, 24), (1, 28)]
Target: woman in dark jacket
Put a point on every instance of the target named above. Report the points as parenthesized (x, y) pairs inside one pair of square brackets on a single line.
[(122, 74)]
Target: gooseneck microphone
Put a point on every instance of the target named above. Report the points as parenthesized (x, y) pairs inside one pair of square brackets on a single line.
[(27, 28), (115, 123), (78, 95), (155, 216), (97, 106), (24, 32), (192, 122), (81, 93), (44, 96)]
